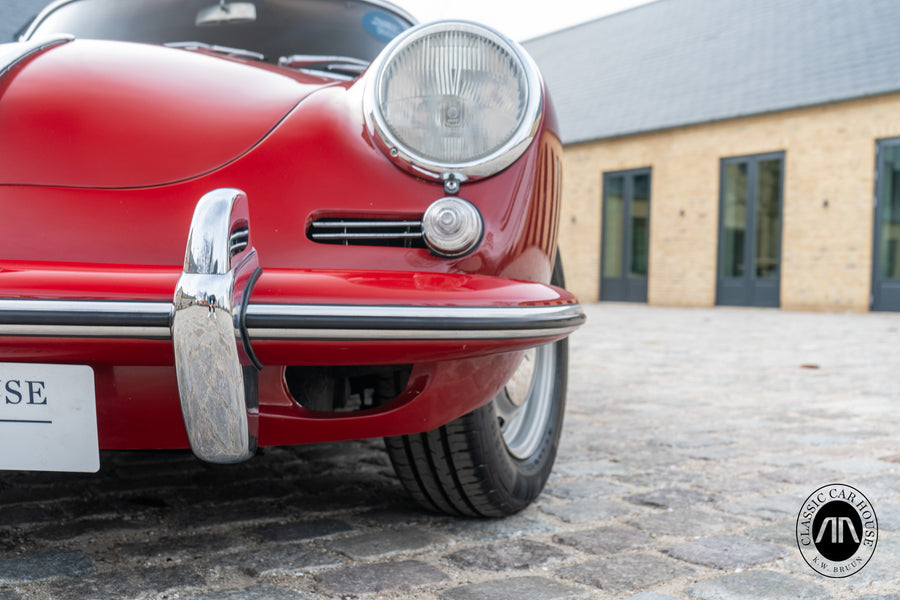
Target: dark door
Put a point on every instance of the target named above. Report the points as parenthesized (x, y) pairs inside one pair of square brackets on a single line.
[(749, 272), (626, 236), (886, 263)]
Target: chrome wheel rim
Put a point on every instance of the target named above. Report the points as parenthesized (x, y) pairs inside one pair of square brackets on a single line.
[(524, 405)]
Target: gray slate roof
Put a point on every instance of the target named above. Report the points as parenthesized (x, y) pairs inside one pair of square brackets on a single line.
[(682, 62)]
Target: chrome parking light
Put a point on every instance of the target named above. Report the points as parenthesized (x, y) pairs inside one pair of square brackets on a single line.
[(452, 227)]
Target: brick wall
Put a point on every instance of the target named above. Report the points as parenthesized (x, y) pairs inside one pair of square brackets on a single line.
[(826, 250)]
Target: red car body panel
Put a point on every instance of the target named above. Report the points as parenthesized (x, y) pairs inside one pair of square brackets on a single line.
[(107, 148), (93, 114), (148, 415)]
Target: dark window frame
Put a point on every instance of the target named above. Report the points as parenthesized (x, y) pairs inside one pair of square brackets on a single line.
[(884, 293), (623, 288), (756, 292)]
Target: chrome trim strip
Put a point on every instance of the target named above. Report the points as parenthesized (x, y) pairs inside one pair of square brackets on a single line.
[(337, 223), (85, 331), (217, 49), (85, 318), (23, 50), (394, 8), (337, 230), (154, 310), (88, 318), (380, 235), (323, 62), (319, 322), (325, 335), (490, 314)]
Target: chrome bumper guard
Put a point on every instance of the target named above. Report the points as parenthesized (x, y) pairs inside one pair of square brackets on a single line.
[(217, 380)]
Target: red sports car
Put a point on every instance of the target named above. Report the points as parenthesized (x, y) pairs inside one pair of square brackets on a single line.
[(239, 224)]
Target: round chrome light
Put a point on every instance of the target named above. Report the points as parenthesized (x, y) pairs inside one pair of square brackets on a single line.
[(452, 227), (454, 96)]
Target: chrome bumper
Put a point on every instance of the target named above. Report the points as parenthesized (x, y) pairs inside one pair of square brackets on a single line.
[(292, 322), (211, 324)]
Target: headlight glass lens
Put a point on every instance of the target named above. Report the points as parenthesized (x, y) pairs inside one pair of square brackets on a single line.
[(453, 95)]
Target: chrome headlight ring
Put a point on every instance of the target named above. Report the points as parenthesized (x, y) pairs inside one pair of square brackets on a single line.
[(453, 97)]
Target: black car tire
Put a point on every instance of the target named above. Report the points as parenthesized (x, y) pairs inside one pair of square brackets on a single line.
[(480, 465)]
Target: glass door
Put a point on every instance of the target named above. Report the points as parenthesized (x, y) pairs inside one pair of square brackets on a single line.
[(886, 263), (750, 230), (626, 236)]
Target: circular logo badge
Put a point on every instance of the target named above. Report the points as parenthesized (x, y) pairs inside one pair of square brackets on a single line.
[(837, 530)]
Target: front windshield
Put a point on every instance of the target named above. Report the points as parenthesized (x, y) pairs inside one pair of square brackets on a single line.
[(274, 28)]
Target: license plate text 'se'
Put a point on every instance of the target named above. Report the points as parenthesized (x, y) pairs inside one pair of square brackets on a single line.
[(48, 418)]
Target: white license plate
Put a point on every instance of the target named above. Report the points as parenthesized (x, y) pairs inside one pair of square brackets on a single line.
[(48, 418)]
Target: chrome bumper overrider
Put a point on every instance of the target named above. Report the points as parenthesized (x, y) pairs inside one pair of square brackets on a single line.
[(217, 380), (212, 323)]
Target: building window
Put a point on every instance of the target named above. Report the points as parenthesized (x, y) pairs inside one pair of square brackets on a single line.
[(750, 230), (886, 263), (625, 246)]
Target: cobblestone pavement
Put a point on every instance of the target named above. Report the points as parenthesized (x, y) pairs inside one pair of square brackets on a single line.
[(692, 438)]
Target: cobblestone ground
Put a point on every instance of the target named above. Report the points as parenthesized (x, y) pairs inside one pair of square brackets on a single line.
[(692, 438)]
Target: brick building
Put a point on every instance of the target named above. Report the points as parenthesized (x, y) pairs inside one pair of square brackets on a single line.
[(731, 152)]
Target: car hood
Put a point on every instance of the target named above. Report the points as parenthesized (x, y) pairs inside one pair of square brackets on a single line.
[(120, 115)]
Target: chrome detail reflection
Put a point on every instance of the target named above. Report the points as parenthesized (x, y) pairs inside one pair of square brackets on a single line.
[(13, 54), (218, 391), (525, 404), (346, 68), (519, 384), (452, 181), (452, 227), (239, 241), (216, 49)]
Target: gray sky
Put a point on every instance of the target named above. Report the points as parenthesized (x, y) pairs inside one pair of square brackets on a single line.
[(518, 19)]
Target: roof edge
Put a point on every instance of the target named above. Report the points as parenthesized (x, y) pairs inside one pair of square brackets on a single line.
[(731, 118), (576, 25)]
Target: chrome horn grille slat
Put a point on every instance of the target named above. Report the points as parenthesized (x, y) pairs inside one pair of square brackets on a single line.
[(368, 232), (238, 241)]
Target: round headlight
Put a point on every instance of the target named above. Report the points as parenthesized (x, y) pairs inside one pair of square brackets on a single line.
[(454, 97)]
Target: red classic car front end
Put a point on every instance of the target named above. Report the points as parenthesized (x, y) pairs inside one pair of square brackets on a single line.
[(238, 251)]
